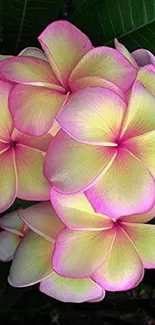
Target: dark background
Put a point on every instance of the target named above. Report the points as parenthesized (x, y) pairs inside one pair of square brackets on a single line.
[(133, 22)]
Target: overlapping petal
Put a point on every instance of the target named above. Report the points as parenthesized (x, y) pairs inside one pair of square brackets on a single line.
[(79, 253), (122, 49), (93, 115), (12, 223), (77, 213), (34, 108), (41, 143), (8, 244), (32, 184), (143, 57), (6, 123), (108, 64), (42, 219), (126, 188), (32, 261), (123, 268), (140, 218), (140, 117), (71, 290), (64, 46), (143, 238), (8, 188), (146, 76), (68, 160), (33, 51), (29, 71)]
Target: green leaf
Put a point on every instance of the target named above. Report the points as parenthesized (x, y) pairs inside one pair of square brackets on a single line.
[(24, 20), (131, 21)]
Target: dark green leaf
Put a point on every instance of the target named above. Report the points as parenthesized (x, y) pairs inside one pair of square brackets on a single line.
[(131, 21), (24, 20)]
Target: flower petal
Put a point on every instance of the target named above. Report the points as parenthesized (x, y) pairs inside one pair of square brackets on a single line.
[(71, 290), (122, 49), (140, 117), (42, 219), (143, 238), (32, 261), (122, 269), (8, 180), (71, 166), (95, 82), (32, 184), (143, 57), (143, 147), (12, 223), (146, 76), (8, 245), (140, 218), (34, 108), (108, 64), (41, 143), (77, 213), (29, 71), (78, 253), (64, 46), (126, 188), (93, 115), (33, 51), (6, 123)]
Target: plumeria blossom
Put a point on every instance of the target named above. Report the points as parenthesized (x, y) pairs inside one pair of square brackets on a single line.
[(33, 259), (138, 58), (106, 148), (43, 83), (21, 159), (14, 230), (112, 252)]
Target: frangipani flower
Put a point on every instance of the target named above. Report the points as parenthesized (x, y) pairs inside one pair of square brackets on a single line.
[(112, 252), (10, 237), (42, 87), (21, 159), (138, 58), (33, 259), (106, 149)]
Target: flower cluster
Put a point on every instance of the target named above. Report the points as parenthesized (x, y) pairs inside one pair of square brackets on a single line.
[(77, 131)]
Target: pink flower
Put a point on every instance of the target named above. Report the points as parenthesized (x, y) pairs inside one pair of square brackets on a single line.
[(10, 237), (112, 252), (21, 159), (42, 87), (106, 148), (33, 259), (138, 58)]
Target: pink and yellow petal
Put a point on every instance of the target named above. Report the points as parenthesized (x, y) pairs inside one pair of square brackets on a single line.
[(93, 115), (33, 51), (42, 219), (71, 290), (32, 261), (95, 82), (79, 253), (146, 76), (8, 245), (106, 63), (71, 166), (64, 46), (34, 108), (12, 223), (140, 117), (29, 71), (140, 218), (41, 143), (143, 238), (77, 213), (8, 188), (143, 147), (122, 49), (32, 184), (126, 188), (123, 268), (6, 123)]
